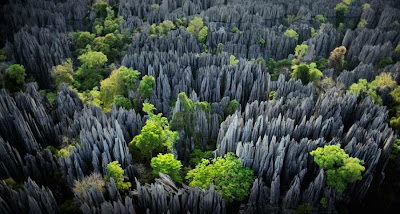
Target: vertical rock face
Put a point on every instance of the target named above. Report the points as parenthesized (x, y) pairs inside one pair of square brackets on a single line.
[(30, 199), (160, 197), (276, 145)]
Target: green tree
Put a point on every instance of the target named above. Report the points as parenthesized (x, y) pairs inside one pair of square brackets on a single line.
[(396, 95), (291, 34), (362, 23), (233, 60), (231, 107), (100, 7), (156, 134), (341, 12), (234, 30), (306, 73), (320, 18), (385, 61), (119, 82), (63, 73), (226, 173), (385, 80), (146, 87), (115, 171), (366, 6), (15, 77), (300, 51), (336, 59), (197, 156), (340, 169), (65, 152), (82, 39), (155, 6), (121, 101), (363, 88), (167, 164), (198, 30), (88, 74)]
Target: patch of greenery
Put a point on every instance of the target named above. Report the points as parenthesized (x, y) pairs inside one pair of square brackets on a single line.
[(234, 30), (340, 169), (167, 164), (306, 73), (198, 30), (362, 23), (197, 156), (363, 88), (115, 171), (320, 18), (385, 62), (226, 173), (162, 29), (291, 34), (233, 60)]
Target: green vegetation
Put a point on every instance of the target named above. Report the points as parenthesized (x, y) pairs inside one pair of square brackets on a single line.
[(336, 59), (65, 152), (271, 95), (13, 184), (341, 9), (320, 18), (89, 74), (155, 6), (274, 67), (384, 80), (14, 78), (63, 73), (3, 54), (198, 30), (290, 19), (299, 52), (121, 101), (155, 135), (234, 30), (146, 87), (231, 107), (261, 42), (385, 61), (115, 171), (181, 22), (303, 209), (340, 169), (219, 49), (226, 173), (291, 34), (366, 6), (322, 64), (363, 88), (118, 83), (162, 29), (306, 73), (167, 164), (197, 156), (233, 60), (362, 23)]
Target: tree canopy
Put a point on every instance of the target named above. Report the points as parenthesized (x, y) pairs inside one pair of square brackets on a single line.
[(166, 164)]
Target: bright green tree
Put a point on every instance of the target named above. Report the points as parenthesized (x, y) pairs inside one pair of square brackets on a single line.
[(291, 34), (63, 73), (121, 101), (340, 169), (82, 39), (320, 18), (233, 60), (146, 87), (362, 23), (363, 88), (226, 173), (15, 77), (115, 171), (300, 51), (196, 28), (119, 82), (155, 135), (306, 73), (384, 80), (88, 74), (167, 164)]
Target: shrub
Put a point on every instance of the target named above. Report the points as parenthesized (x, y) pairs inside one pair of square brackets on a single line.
[(197, 156), (385, 62), (384, 80), (121, 101), (197, 29), (271, 95), (63, 73), (146, 87), (320, 18), (340, 169), (306, 73), (336, 59), (365, 89), (155, 6), (93, 180), (234, 30), (15, 77), (299, 52), (261, 41), (89, 73), (291, 34), (231, 108), (156, 134), (233, 60), (322, 64), (115, 171), (362, 23), (366, 6), (303, 209), (290, 19), (167, 164), (226, 173), (65, 152)]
